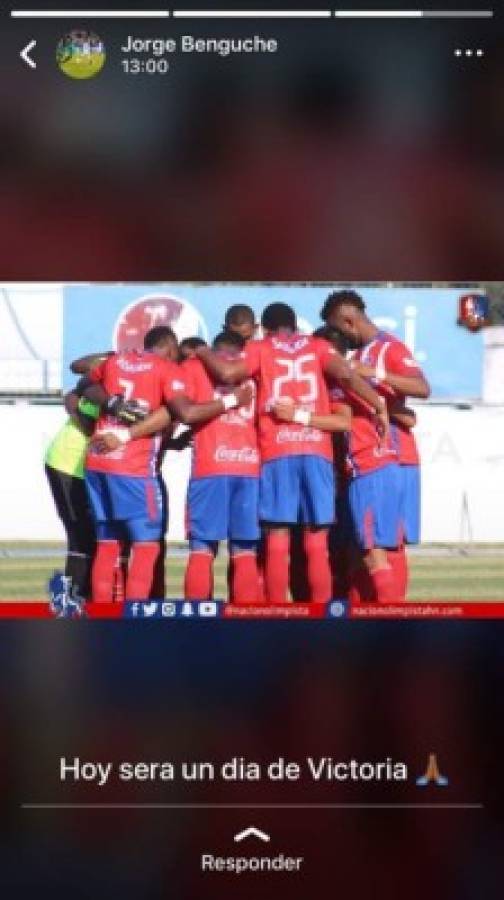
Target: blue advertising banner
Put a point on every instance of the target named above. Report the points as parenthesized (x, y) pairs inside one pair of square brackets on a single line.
[(105, 316)]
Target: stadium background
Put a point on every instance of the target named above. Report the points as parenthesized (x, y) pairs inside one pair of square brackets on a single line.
[(460, 429)]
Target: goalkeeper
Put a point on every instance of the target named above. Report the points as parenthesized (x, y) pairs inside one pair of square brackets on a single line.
[(64, 468)]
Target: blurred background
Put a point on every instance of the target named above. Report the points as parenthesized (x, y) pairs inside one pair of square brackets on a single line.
[(360, 150)]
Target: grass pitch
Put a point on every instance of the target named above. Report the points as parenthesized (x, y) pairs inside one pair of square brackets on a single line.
[(448, 573)]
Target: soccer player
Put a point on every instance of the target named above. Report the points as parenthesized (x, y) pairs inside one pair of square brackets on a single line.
[(394, 372), (240, 319), (64, 467), (188, 347), (297, 479), (123, 484), (222, 500)]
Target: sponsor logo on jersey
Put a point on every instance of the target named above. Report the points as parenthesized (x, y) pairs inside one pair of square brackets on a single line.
[(291, 346), (223, 453), (126, 366), (299, 436)]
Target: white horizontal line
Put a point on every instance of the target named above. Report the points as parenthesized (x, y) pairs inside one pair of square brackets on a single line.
[(413, 14), (89, 14), (62, 806), (378, 14), (251, 14)]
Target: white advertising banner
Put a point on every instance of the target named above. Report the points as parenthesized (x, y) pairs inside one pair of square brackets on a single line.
[(462, 474)]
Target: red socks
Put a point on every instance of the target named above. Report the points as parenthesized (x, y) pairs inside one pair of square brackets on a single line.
[(198, 575), (277, 566), (378, 586), (141, 570), (317, 564), (384, 585), (399, 563), (245, 578), (103, 573)]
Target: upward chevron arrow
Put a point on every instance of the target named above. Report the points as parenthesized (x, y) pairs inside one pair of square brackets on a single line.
[(251, 832)]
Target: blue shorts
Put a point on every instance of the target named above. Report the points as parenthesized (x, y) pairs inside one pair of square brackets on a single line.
[(223, 507), (297, 490), (410, 502), (375, 504), (126, 507)]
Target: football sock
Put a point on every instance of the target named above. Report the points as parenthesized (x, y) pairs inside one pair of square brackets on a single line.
[(318, 569), (362, 589), (298, 576), (245, 584), (399, 562), (78, 567), (102, 576), (119, 580), (277, 567), (198, 575), (384, 585), (141, 569)]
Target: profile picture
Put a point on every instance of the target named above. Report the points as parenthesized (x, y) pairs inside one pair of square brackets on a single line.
[(80, 54)]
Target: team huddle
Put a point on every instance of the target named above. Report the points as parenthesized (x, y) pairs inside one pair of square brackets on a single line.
[(303, 460)]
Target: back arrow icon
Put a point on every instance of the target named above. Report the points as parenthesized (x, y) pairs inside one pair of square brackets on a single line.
[(252, 832), (25, 55)]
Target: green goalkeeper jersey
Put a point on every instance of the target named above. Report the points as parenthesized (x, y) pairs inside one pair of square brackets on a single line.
[(67, 451)]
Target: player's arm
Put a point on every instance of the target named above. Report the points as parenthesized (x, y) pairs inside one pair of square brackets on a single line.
[(108, 441), (336, 367), (408, 385), (125, 411), (404, 416), (84, 364), (92, 391), (189, 413), (334, 422), (85, 423), (178, 407), (223, 370)]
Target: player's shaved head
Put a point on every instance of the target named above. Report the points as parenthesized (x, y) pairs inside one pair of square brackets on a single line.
[(161, 340), (279, 317)]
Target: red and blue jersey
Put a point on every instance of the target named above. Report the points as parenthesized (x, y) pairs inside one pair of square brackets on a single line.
[(290, 367), (151, 381), (366, 450), (388, 354), (227, 445)]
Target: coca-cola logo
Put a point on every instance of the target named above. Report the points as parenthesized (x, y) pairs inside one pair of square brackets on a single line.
[(141, 315), (224, 453), (294, 435)]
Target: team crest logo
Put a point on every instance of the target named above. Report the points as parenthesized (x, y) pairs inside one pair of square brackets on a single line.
[(157, 309), (64, 601)]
